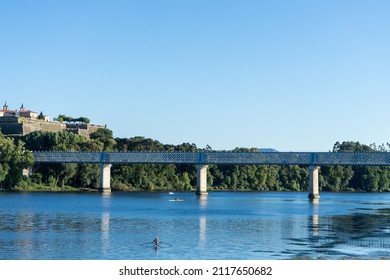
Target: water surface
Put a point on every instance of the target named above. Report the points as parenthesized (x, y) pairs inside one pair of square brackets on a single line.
[(222, 225)]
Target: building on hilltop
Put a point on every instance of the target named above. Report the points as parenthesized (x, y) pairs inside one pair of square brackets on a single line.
[(22, 112), (21, 122)]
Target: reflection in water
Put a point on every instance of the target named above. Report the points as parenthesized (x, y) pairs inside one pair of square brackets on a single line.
[(356, 235), (105, 233), (315, 217), (314, 201), (202, 221), (315, 225), (217, 226), (203, 201), (371, 242), (105, 224), (106, 199), (202, 231)]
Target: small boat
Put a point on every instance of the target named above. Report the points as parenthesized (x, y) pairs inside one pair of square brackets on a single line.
[(176, 200), (171, 193)]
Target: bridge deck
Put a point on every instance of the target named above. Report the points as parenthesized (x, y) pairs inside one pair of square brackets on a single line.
[(274, 158)]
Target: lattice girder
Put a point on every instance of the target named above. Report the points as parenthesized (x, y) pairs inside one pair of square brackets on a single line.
[(274, 158)]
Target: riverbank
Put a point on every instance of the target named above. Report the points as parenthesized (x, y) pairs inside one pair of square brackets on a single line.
[(44, 188)]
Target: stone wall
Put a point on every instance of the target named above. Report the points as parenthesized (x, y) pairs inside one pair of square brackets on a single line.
[(83, 129), (11, 126), (36, 125), (21, 126), (9, 119)]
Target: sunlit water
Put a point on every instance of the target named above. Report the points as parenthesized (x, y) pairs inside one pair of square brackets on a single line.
[(218, 226)]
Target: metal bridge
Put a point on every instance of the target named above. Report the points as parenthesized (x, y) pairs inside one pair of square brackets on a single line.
[(203, 159)]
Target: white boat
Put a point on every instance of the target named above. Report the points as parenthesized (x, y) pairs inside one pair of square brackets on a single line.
[(171, 193)]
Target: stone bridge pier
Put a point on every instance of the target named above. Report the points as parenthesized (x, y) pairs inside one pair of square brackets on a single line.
[(201, 179), (105, 178), (314, 192)]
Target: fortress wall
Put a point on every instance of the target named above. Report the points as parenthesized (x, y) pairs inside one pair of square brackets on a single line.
[(76, 126), (79, 131), (94, 128), (35, 125), (11, 128), (12, 125), (9, 119), (83, 128)]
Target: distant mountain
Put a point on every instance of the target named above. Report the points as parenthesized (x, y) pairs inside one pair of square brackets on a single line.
[(267, 150)]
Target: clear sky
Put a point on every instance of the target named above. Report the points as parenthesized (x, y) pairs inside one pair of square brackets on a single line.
[(294, 75)]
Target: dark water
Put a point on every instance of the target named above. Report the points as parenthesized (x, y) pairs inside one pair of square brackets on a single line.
[(221, 226)]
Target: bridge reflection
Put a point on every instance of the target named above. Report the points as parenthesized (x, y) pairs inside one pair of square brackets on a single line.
[(202, 222), (315, 218), (105, 224), (105, 231), (355, 234), (202, 231)]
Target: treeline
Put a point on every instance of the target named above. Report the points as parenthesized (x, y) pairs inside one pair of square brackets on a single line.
[(15, 156), (63, 118)]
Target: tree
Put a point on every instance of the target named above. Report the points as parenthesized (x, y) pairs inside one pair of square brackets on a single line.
[(60, 118), (349, 146), (336, 178), (57, 174), (41, 116), (84, 120), (54, 141), (104, 137), (63, 118), (13, 159)]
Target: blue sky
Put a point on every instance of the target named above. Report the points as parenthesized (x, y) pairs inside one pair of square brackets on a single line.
[(291, 75)]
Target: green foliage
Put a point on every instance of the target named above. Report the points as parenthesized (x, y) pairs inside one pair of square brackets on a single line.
[(87, 176), (170, 177), (103, 138), (13, 159), (41, 116), (54, 141), (63, 118), (350, 146), (82, 120), (56, 175), (139, 144), (360, 178), (336, 178)]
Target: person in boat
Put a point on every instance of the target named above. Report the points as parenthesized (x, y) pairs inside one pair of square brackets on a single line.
[(156, 241)]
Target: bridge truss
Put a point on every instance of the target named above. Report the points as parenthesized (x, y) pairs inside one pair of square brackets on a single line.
[(205, 158)]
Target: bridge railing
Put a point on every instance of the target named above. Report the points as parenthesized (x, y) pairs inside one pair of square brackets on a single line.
[(67, 157), (274, 158), (374, 158), (174, 157), (277, 158)]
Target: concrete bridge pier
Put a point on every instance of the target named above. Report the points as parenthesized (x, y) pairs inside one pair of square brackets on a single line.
[(201, 180), (105, 178), (314, 192)]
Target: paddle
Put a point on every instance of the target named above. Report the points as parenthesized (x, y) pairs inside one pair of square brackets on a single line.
[(143, 244), (166, 243)]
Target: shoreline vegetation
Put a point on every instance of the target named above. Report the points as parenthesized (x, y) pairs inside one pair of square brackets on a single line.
[(15, 156)]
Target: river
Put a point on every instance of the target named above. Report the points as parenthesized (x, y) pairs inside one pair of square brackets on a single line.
[(219, 226)]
